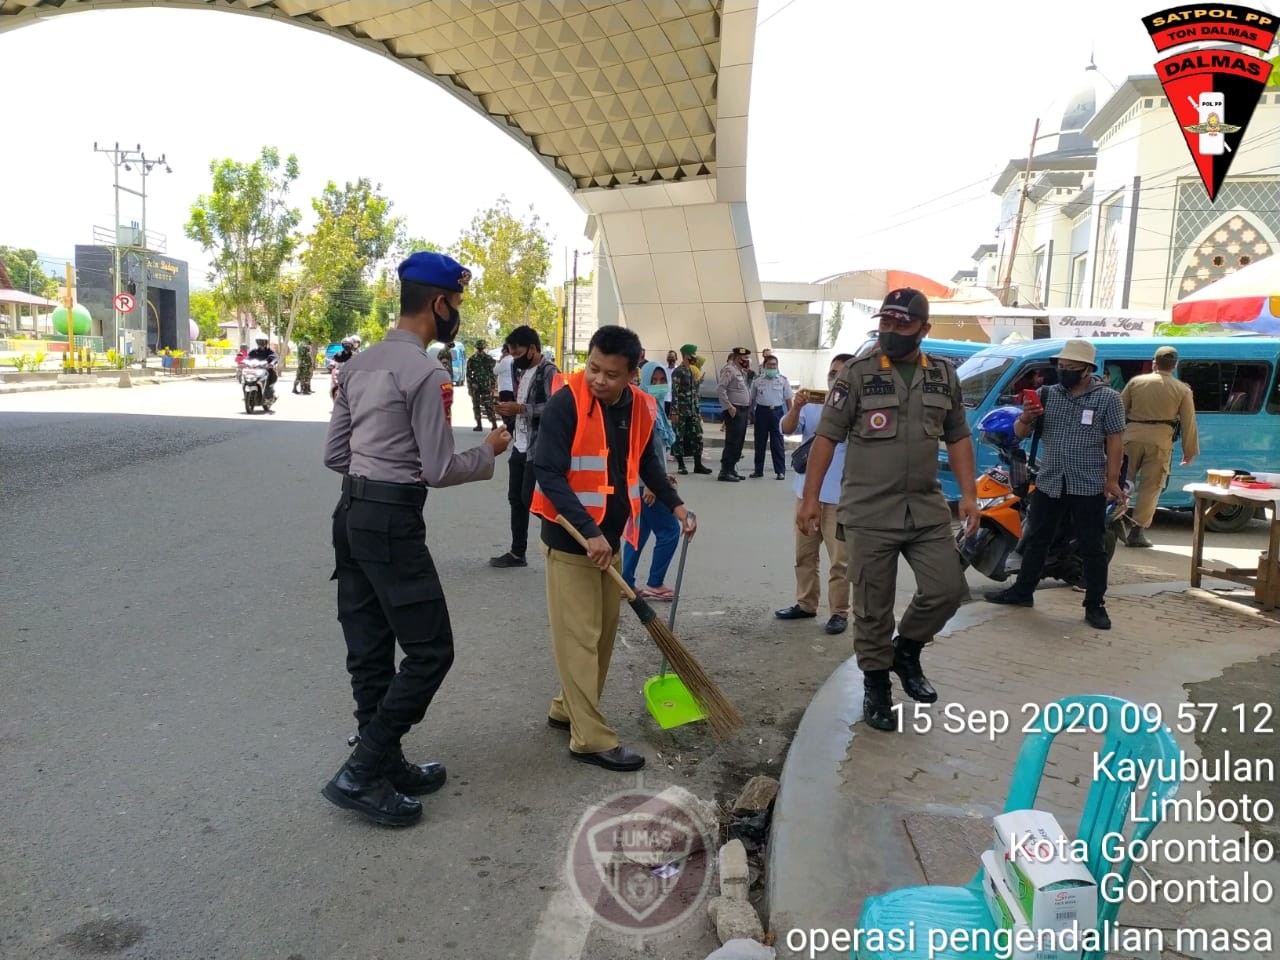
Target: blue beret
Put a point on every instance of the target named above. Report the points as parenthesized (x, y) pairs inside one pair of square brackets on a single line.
[(436, 270)]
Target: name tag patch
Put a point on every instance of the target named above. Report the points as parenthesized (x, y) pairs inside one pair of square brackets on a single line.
[(877, 386), (1086, 417), (941, 388)]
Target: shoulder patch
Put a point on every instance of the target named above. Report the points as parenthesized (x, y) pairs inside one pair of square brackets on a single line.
[(446, 397), (837, 395)]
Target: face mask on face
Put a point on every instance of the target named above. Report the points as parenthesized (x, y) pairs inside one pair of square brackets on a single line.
[(521, 364), (657, 390), (1070, 378), (446, 330), (896, 345), (770, 373)]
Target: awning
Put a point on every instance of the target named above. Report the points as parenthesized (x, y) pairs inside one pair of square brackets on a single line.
[(24, 299), (1250, 295)]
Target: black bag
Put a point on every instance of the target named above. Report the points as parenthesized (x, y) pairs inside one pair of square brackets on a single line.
[(800, 456)]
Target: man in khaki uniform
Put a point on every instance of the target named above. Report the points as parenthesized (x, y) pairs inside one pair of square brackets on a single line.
[(893, 407), (1156, 406)]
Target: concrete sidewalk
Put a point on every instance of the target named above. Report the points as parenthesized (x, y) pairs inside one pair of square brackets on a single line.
[(862, 812), (112, 380)]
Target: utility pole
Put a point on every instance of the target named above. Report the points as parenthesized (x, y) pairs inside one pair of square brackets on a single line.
[(68, 363), (126, 158), (1017, 224), (575, 302)]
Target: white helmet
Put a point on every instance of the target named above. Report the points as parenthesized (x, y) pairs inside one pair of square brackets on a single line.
[(355, 338), (347, 342)]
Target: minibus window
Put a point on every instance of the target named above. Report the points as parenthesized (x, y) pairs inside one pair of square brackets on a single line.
[(1273, 401), (1224, 387), (978, 375)]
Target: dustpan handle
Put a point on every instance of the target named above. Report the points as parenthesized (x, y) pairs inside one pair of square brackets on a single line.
[(675, 600)]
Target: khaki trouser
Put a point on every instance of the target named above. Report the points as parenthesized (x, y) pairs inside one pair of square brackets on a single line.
[(808, 586), (1149, 468), (583, 602), (873, 575)]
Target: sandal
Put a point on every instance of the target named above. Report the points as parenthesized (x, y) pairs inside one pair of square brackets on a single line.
[(656, 593)]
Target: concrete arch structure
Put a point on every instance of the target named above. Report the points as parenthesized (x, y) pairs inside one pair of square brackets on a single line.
[(638, 107)]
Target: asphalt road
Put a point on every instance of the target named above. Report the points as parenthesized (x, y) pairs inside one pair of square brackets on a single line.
[(174, 696)]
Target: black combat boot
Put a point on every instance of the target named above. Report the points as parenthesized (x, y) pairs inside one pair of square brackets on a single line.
[(361, 786), (877, 700), (697, 465), (906, 664), (680, 468), (412, 779)]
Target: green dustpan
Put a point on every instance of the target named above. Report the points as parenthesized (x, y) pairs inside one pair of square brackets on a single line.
[(668, 699)]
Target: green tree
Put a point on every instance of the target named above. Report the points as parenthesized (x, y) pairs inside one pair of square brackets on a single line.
[(25, 273), (354, 231), (206, 311), (509, 258), (834, 323), (248, 226)]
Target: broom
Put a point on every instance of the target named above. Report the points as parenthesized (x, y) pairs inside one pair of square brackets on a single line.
[(721, 714)]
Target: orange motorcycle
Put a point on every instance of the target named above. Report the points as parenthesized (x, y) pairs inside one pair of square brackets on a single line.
[(1003, 495)]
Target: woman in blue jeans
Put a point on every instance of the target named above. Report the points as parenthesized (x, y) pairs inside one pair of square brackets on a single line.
[(654, 517)]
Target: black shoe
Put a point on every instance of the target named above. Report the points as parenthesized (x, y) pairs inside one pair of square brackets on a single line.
[(1137, 538), (411, 779), (699, 466), (906, 664), (757, 474), (477, 429), (728, 477), (794, 612), (736, 475), (837, 624), (508, 560), (361, 786), (619, 758), (683, 472), (1097, 618), (703, 470), (877, 700), (779, 476), (555, 724), (1009, 598)]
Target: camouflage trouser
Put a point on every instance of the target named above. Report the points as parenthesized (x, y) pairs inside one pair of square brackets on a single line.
[(482, 404), (303, 378), (688, 436)]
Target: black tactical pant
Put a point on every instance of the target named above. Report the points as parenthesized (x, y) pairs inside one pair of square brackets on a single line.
[(735, 435), (520, 495), (1088, 519), (388, 591)]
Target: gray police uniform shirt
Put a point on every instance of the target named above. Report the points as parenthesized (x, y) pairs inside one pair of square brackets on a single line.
[(893, 428), (389, 421)]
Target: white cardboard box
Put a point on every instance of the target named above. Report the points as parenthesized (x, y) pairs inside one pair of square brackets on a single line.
[(1055, 891), (1005, 910)]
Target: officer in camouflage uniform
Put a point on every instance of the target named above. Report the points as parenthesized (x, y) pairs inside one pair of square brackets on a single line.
[(482, 379), (685, 416), (302, 380)]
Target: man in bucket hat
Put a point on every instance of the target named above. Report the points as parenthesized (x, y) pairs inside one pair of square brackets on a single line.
[(1082, 449)]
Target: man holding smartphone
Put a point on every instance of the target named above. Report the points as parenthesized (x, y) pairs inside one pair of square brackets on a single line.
[(1082, 448)]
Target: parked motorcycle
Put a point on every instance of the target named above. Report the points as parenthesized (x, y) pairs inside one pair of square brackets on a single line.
[(254, 378), (1003, 497)]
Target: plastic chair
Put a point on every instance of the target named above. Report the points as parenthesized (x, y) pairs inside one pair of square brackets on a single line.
[(1105, 811)]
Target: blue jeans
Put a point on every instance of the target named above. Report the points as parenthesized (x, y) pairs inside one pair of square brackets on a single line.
[(666, 531)]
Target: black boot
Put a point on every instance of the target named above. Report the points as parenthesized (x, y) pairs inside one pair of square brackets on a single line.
[(877, 700), (906, 664), (412, 779), (697, 464), (361, 786), (680, 468)]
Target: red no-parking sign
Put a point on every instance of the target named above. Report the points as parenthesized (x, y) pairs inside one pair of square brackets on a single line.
[(124, 302)]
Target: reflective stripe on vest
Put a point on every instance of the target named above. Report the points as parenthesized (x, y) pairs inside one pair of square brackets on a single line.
[(588, 473)]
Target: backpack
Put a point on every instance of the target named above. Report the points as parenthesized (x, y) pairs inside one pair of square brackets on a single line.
[(800, 455)]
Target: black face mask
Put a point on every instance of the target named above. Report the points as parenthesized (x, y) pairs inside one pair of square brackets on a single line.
[(521, 364), (895, 345), (1070, 378), (446, 330)]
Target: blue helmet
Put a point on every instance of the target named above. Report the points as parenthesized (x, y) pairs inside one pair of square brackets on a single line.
[(996, 427)]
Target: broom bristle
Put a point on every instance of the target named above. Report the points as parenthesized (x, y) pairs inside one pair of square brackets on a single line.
[(721, 714)]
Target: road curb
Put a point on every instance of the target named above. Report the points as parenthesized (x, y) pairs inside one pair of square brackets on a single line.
[(9, 388)]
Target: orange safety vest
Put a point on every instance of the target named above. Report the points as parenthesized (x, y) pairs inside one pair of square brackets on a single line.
[(589, 456)]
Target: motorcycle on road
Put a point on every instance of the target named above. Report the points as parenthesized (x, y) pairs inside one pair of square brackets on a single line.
[(1003, 495), (254, 379)]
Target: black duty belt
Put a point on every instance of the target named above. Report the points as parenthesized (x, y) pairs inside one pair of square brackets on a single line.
[(401, 494)]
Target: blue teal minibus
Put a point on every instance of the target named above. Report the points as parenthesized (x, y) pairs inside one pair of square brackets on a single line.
[(956, 351), (1234, 380)]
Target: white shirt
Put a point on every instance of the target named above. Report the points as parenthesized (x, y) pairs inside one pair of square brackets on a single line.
[(503, 369), (521, 438)]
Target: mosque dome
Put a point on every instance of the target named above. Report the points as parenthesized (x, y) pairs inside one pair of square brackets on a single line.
[(1072, 110)]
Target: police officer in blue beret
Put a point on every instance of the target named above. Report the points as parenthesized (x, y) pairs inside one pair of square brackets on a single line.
[(391, 440)]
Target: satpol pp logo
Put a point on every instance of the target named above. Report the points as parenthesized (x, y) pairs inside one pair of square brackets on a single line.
[(639, 861)]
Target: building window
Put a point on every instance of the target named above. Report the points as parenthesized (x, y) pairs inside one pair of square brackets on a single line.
[(1111, 243), (1223, 249), (1075, 296), (1148, 103), (1226, 387)]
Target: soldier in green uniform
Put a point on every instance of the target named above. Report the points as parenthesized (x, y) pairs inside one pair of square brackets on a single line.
[(685, 416), (481, 380), (893, 407), (302, 380)]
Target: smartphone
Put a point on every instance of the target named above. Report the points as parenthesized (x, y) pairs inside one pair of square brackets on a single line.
[(1030, 396)]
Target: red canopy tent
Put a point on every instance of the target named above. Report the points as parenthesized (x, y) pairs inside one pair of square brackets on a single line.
[(1250, 295)]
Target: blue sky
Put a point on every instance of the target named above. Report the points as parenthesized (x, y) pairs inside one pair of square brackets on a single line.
[(875, 132)]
